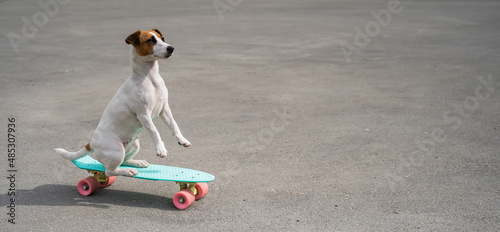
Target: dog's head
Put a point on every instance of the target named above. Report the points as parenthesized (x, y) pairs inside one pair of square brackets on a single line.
[(150, 43)]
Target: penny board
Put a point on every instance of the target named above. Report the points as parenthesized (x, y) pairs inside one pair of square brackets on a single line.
[(152, 172)]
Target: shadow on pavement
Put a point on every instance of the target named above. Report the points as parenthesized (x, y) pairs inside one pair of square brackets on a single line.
[(67, 195)]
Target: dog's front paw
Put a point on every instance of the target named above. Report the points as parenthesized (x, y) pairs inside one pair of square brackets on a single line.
[(161, 151), (184, 142)]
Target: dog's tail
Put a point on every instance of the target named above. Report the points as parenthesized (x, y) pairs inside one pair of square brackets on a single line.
[(73, 155)]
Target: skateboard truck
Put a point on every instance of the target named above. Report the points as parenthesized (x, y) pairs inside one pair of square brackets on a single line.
[(103, 181), (190, 186), (99, 176)]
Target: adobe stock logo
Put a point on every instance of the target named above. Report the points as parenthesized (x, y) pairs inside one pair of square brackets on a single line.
[(221, 7), (38, 20), (266, 136), (372, 29)]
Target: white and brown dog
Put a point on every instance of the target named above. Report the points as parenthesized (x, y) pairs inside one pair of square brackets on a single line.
[(142, 98)]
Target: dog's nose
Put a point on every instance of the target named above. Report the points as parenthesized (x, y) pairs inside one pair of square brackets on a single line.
[(170, 49)]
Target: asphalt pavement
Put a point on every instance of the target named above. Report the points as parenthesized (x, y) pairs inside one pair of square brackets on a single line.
[(312, 115)]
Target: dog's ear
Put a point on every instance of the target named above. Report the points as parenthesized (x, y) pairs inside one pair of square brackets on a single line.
[(134, 38), (158, 31)]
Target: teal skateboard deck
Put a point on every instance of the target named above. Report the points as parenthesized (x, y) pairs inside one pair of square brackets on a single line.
[(153, 172), (193, 183)]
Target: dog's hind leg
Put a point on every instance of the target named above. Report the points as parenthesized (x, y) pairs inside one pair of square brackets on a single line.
[(111, 156), (113, 170), (130, 153)]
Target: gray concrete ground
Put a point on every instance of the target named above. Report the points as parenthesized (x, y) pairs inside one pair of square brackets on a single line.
[(313, 115)]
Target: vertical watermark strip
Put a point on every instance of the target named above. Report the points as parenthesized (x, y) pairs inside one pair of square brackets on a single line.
[(11, 170)]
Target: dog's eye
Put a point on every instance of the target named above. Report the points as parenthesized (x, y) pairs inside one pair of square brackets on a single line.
[(163, 39), (152, 40)]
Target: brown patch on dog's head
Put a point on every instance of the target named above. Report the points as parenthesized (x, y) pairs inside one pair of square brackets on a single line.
[(143, 41)]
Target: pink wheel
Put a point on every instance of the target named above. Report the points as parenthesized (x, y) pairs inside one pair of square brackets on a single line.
[(110, 180), (183, 199), (202, 190), (87, 186)]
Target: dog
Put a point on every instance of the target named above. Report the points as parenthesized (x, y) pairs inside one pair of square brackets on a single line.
[(142, 98)]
